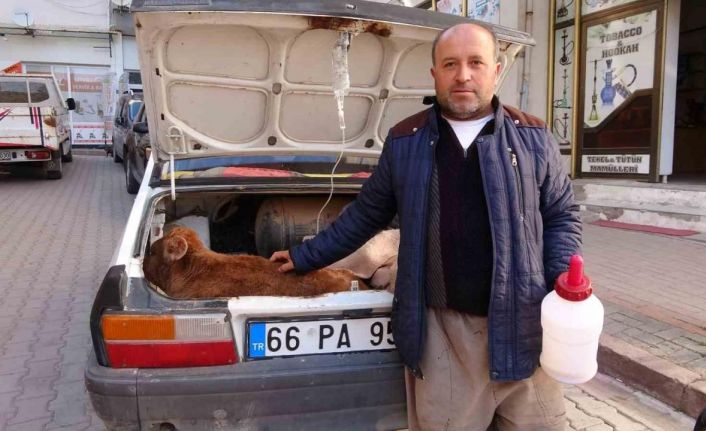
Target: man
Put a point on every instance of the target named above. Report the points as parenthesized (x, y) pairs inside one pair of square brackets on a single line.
[(487, 223)]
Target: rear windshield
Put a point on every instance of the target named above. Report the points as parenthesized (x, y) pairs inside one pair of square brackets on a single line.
[(15, 91), (274, 167)]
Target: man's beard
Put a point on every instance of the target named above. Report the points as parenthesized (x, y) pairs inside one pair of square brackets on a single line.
[(462, 110)]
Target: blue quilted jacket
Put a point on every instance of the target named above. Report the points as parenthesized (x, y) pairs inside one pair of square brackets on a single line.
[(535, 229)]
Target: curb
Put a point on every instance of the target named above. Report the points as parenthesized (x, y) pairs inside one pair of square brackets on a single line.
[(673, 385)]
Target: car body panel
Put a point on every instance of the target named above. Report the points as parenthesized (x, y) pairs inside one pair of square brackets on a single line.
[(126, 110), (136, 153)]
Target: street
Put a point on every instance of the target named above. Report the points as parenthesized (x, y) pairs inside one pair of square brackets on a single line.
[(57, 241)]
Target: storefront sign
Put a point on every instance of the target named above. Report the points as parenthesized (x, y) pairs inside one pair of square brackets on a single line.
[(91, 133), (454, 7), (590, 6), (615, 163), (484, 10), (619, 60)]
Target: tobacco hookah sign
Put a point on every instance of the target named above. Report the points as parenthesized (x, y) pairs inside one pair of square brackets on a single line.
[(619, 60)]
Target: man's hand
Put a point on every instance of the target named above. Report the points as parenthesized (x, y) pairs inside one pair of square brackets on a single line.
[(283, 256)]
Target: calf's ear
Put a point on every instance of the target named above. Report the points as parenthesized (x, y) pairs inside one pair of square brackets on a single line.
[(175, 248)]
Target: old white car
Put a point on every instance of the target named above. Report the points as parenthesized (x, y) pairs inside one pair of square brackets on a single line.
[(245, 132), (34, 124)]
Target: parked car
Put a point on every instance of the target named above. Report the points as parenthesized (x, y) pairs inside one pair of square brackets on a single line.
[(245, 133), (126, 109), (137, 151), (34, 124)]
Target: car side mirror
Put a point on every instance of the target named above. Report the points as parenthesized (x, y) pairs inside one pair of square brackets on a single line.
[(71, 104), (140, 127)]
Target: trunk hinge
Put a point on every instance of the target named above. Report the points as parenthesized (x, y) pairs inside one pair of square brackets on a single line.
[(177, 140)]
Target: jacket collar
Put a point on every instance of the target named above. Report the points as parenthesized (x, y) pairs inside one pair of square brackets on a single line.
[(435, 114)]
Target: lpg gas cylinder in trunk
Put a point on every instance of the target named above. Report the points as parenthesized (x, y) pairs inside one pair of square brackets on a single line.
[(283, 222)]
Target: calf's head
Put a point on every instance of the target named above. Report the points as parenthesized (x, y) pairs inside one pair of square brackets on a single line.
[(165, 255)]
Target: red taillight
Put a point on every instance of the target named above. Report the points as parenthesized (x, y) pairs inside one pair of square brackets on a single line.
[(164, 341), (38, 154), (166, 355)]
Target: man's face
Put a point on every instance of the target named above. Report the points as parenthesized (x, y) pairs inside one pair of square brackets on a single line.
[(465, 71)]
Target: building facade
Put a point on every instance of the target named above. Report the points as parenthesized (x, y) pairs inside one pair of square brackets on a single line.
[(77, 41)]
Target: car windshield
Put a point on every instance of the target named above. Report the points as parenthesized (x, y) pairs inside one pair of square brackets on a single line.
[(273, 167), (15, 91)]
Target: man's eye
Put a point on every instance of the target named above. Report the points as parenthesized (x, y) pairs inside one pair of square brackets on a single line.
[(449, 64)]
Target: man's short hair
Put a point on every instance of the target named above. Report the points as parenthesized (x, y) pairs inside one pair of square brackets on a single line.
[(487, 28)]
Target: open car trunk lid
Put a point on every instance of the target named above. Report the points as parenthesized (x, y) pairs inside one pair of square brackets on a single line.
[(253, 77)]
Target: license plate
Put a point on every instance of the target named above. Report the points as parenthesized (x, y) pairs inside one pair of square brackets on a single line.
[(277, 338), (5, 155)]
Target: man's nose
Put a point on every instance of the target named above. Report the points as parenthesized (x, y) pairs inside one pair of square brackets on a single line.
[(464, 73)]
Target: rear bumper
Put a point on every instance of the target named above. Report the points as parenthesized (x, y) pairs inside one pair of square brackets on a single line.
[(18, 155), (349, 391)]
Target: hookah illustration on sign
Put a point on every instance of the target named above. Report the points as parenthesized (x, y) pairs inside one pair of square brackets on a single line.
[(609, 89), (563, 102), (593, 116), (566, 49), (563, 9), (562, 123)]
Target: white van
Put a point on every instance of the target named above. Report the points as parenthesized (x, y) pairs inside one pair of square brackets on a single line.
[(34, 124)]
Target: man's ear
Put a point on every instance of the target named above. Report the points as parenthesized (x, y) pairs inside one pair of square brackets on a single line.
[(175, 248)]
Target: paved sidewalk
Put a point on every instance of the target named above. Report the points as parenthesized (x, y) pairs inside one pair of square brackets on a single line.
[(57, 238), (654, 291)]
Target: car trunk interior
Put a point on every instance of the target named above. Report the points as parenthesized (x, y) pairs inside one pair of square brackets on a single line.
[(238, 223)]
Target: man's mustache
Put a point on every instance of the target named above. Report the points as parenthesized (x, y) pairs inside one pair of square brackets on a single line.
[(453, 89)]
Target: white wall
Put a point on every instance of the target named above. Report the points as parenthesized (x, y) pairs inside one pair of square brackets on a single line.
[(512, 14), (89, 15), (669, 89), (130, 58), (55, 49)]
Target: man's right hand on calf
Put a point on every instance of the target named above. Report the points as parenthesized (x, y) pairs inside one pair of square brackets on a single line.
[(283, 256)]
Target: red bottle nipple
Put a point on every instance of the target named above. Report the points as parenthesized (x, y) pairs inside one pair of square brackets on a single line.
[(573, 285)]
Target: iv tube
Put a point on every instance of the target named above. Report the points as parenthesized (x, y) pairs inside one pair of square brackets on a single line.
[(341, 84)]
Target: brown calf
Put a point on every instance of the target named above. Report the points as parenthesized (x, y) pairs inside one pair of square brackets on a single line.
[(183, 267)]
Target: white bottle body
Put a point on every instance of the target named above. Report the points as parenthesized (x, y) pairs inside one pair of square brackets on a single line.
[(570, 334)]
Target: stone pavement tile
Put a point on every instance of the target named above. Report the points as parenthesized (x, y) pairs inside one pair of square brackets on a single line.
[(18, 349), (579, 420), (14, 364), (47, 368), (73, 427), (37, 387), (46, 352), (7, 408), (602, 427), (32, 425), (670, 334), (692, 342), (684, 356), (596, 408), (31, 409), (698, 365), (71, 372), (69, 407), (10, 382)]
